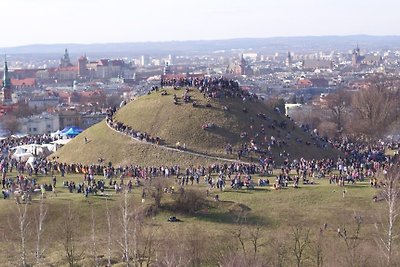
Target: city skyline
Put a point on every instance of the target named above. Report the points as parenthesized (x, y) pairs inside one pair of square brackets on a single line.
[(101, 21)]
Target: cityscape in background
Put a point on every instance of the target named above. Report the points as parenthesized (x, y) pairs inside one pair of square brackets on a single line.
[(44, 92)]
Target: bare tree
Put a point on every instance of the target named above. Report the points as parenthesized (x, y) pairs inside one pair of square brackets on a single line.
[(23, 223), (125, 223), (318, 247), (69, 242), (386, 230), (11, 124), (109, 229), (250, 240), (256, 234), (156, 190), (39, 221), (301, 239), (172, 253), (375, 108), (94, 247), (351, 240), (280, 249), (146, 250), (338, 105)]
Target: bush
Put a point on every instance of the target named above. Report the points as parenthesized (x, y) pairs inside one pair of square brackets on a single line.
[(189, 201)]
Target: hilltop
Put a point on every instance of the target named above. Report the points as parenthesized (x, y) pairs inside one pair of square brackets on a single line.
[(206, 127)]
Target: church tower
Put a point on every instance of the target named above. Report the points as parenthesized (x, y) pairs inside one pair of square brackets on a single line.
[(288, 62), (355, 57), (243, 66), (82, 66), (65, 61), (7, 92)]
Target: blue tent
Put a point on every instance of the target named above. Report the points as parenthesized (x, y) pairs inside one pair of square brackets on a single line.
[(65, 130), (72, 131)]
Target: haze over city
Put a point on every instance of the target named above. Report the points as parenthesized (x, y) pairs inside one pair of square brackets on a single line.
[(102, 21)]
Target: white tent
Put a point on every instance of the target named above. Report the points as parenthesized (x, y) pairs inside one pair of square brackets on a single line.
[(22, 156), (61, 141), (56, 134), (30, 161), (50, 147), (19, 150)]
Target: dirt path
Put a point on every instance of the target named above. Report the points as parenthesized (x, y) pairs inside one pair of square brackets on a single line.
[(178, 150)]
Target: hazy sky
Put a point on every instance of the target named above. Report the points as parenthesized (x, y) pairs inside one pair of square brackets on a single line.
[(94, 21)]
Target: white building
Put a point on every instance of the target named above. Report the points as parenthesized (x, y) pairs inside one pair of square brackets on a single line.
[(40, 124), (41, 102)]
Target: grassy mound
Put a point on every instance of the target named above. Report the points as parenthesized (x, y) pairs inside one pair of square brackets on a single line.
[(120, 150), (158, 115)]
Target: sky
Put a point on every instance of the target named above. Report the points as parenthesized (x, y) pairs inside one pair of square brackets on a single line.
[(110, 21)]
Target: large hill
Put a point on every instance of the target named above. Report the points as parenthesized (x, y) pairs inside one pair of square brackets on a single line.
[(232, 121)]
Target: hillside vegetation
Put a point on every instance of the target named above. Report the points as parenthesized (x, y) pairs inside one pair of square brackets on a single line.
[(232, 120)]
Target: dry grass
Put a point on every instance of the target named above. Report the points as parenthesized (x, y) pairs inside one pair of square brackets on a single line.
[(276, 211), (159, 116)]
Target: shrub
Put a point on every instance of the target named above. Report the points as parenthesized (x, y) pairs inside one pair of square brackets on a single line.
[(189, 201)]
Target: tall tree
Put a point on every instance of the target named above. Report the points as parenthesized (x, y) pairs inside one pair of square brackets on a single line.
[(40, 216), (23, 223), (375, 108), (338, 105), (386, 229)]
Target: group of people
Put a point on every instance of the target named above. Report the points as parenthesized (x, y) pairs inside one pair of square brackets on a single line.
[(356, 166), (128, 130), (360, 162)]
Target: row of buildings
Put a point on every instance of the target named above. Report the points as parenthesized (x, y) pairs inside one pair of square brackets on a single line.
[(46, 123)]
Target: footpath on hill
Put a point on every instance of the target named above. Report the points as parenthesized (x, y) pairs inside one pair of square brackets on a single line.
[(178, 150)]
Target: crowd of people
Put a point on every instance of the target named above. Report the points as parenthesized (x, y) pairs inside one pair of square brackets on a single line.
[(212, 87), (128, 130), (360, 162)]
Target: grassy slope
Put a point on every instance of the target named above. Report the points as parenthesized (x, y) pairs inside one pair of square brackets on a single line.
[(159, 116), (120, 150), (276, 211)]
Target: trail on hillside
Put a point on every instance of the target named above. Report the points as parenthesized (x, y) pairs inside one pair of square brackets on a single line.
[(178, 150)]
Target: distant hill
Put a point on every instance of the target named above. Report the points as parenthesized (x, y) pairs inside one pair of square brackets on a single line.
[(159, 116), (266, 45)]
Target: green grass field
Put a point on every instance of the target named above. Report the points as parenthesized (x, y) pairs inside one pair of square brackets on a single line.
[(276, 211)]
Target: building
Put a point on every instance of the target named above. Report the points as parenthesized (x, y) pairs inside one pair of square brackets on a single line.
[(6, 89), (66, 73), (40, 124), (313, 64), (69, 118), (65, 61), (144, 60), (239, 68), (356, 57), (291, 108), (82, 66), (26, 83), (288, 61), (167, 69), (91, 119), (6, 102), (109, 68), (73, 117), (43, 101), (358, 60)]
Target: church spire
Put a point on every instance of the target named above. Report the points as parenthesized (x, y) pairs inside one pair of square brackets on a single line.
[(7, 93), (6, 78)]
